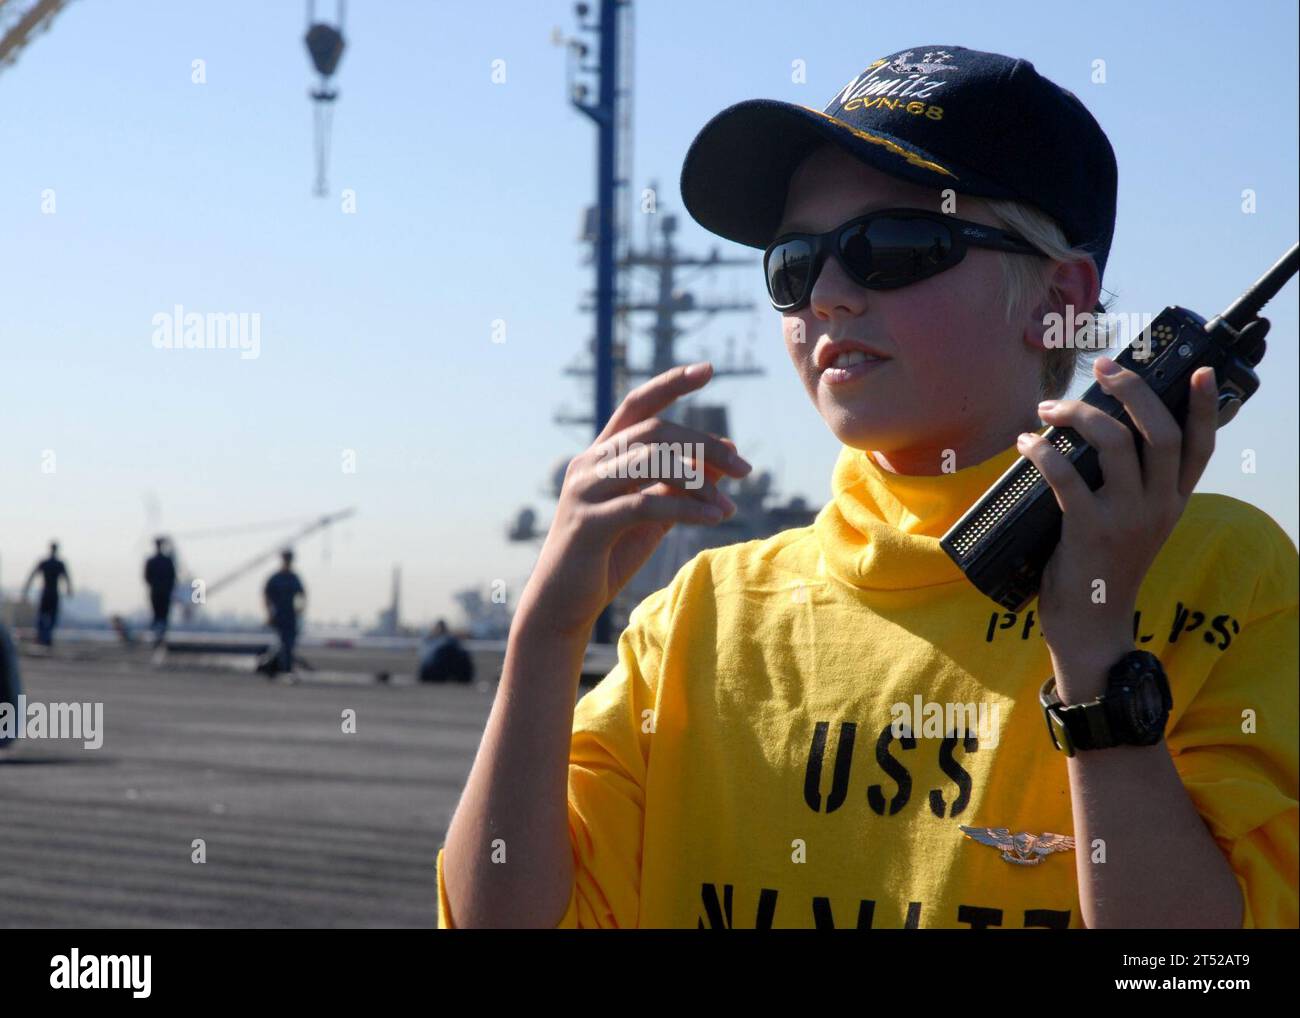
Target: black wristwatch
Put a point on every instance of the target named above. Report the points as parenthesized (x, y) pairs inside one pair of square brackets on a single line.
[(1132, 712)]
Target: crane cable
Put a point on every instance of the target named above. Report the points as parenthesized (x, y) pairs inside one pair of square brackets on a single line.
[(325, 46)]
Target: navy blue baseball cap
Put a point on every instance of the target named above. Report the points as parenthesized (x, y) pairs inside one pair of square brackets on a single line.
[(946, 116)]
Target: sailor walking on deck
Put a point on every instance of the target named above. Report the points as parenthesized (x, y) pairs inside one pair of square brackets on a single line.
[(160, 575), (51, 571), (285, 600)]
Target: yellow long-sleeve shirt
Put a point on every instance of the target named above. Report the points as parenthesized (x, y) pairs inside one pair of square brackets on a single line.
[(740, 766)]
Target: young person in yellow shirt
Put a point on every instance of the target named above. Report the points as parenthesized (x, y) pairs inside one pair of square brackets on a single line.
[(751, 760)]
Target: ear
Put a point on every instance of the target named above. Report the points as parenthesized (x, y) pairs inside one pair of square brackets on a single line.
[(1072, 292)]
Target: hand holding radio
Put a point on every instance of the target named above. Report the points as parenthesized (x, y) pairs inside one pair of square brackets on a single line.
[(1110, 536), (1004, 542)]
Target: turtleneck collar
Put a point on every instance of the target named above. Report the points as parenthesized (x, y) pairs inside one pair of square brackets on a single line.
[(881, 530)]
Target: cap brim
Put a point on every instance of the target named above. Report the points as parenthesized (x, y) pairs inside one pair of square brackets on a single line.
[(737, 171)]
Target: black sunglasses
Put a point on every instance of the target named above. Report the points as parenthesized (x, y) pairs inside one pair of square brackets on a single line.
[(882, 250)]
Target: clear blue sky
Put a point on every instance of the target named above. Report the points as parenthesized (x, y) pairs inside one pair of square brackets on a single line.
[(376, 326)]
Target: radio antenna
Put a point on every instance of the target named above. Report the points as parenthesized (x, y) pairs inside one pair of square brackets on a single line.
[(1246, 308)]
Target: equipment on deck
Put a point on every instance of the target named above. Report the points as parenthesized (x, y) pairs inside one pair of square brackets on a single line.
[(325, 45)]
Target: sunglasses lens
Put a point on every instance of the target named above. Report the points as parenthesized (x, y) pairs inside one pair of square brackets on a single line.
[(788, 267), (887, 252)]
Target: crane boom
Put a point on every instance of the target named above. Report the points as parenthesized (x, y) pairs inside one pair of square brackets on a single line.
[(253, 563), (19, 33)]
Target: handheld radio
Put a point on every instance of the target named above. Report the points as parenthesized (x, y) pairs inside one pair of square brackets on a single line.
[(1004, 540)]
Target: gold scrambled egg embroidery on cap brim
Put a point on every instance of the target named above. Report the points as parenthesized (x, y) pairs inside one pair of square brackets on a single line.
[(898, 150)]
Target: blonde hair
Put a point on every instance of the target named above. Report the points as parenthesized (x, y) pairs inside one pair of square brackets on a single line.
[(1027, 282)]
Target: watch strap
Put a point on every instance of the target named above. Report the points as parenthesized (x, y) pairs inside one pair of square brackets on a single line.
[(1085, 725)]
